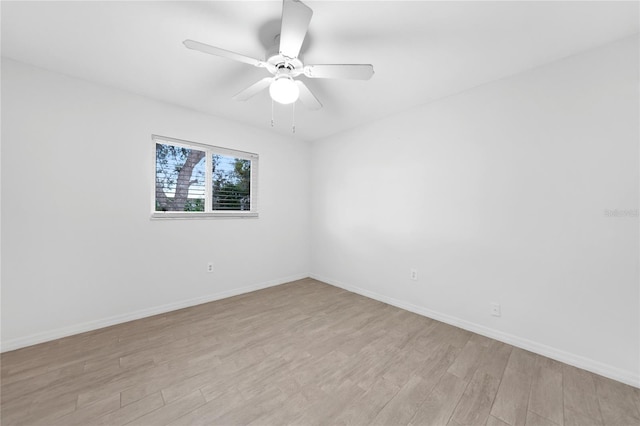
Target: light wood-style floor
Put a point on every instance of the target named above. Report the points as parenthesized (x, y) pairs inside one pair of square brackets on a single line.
[(302, 353)]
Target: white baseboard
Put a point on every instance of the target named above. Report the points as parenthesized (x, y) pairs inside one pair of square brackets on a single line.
[(597, 367), (57, 333)]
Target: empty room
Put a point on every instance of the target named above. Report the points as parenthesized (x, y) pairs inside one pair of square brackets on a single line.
[(286, 212)]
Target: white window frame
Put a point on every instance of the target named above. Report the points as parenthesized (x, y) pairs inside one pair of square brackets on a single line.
[(209, 150)]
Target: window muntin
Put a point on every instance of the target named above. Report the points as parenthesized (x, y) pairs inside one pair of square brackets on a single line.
[(197, 180)]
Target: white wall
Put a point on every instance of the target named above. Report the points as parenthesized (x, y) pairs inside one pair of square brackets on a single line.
[(498, 194), (79, 249)]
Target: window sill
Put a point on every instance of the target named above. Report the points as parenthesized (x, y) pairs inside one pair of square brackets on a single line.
[(197, 215)]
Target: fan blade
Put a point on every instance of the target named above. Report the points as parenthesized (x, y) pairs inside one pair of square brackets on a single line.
[(295, 21), (253, 89), (306, 97), (352, 71), (211, 50)]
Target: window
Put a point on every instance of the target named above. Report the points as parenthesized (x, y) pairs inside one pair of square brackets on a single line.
[(195, 180)]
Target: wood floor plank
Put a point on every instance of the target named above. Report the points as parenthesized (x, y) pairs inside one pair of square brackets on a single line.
[(438, 407), (119, 383), (325, 410), (85, 415), (367, 407), (207, 413), (580, 397), (534, 419), (482, 340), (475, 404), (546, 397), (160, 378), (299, 353), (512, 398), (450, 335), (617, 401), (400, 409), (579, 418), (169, 412), (494, 421), (402, 368), (282, 414), (495, 358), (522, 361), (256, 407), (131, 412), (467, 362), (34, 413)]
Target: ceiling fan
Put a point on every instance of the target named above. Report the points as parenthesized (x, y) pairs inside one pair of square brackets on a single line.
[(284, 63)]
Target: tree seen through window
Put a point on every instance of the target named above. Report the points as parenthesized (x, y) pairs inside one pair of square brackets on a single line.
[(181, 176)]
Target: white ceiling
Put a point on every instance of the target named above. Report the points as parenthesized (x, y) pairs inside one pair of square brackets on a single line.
[(421, 50)]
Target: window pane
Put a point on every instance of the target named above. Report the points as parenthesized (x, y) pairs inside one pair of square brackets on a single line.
[(180, 179), (231, 186)]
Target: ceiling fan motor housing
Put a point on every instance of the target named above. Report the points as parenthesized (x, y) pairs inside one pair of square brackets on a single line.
[(277, 63)]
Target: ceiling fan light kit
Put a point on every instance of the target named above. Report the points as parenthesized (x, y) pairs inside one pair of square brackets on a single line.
[(284, 63), (284, 90)]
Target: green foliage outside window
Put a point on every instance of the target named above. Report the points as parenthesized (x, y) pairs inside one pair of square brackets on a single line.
[(180, 180)]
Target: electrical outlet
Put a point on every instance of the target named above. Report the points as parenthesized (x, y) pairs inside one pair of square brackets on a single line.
[(495, 309), (210, 267), (413, 274)]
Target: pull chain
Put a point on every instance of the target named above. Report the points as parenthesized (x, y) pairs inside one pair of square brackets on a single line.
[(293, 118), (271, 112)]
